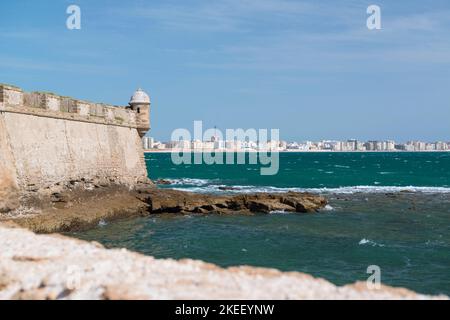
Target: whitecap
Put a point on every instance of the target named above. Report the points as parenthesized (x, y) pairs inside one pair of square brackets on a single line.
[(189, 181), (216, 188), (340, 166), (365, 241), (278, 212), (193, 190)]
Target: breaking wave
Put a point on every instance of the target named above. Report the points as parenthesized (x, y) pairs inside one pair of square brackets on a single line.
[(279, 212), (370, 243), (189, 181), (208, 186)]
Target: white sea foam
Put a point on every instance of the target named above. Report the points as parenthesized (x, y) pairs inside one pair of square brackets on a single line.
[(370, 243), (379, 189), (203, 187), (278, 212), (341, 190), (193, 189), (189, 181)]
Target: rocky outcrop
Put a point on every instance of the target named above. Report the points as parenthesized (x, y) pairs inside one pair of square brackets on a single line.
[(83, 207), (174, 201), (55, 267), (78, 210), (163, 182)]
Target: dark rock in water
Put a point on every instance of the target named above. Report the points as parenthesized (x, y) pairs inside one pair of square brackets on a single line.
[(227, 188), (163, 182), (391, 195), (174, 201)]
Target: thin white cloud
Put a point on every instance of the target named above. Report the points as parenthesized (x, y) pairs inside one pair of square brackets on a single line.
[(425, 21), (228, 15), (283, 35), (65, 67), (416, 39), (21, 34)]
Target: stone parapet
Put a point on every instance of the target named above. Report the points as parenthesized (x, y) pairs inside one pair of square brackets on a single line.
[(46, 104)]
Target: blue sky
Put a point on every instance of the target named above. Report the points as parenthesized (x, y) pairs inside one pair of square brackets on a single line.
[(310, 68)]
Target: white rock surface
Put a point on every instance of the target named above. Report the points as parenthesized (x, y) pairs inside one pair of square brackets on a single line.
[(56, 267)]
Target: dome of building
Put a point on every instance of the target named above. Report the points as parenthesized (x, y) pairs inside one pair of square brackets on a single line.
[(140, 97)]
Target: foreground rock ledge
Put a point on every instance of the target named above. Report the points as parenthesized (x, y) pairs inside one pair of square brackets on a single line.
[(81, 209), (55, 267)]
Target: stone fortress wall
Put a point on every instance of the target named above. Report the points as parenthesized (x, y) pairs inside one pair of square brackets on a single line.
[(48, 141), (13, 99)]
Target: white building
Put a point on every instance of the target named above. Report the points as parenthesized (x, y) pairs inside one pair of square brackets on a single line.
[(146, 143)]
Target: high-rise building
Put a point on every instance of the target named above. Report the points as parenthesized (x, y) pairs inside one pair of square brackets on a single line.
[(147, 143)]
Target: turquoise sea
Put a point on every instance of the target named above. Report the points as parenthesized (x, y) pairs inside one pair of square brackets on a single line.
[(386, 209)]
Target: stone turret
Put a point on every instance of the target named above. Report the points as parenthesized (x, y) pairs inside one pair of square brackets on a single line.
[(140, 103)]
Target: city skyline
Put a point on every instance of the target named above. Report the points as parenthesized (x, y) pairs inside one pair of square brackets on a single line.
[(299, 139), (349, 145)]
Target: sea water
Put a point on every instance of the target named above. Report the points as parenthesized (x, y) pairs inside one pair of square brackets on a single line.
[(386, 209)]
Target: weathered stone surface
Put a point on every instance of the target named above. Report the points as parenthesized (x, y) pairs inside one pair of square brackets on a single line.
[(77, 209), (174, 201), (163, 182), (50, 151), (54, 267), (9, 197)]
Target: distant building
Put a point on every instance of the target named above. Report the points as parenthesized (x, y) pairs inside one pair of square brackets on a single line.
[(197, 144), (390, 145), (148, 142), (441, 146), (292, 146)]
